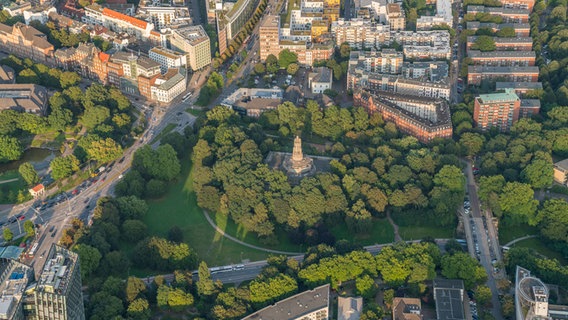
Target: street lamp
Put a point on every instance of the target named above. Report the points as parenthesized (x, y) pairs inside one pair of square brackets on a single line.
[(68, 203)]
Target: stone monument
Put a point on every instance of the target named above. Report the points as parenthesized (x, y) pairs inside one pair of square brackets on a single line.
[(297, 164)]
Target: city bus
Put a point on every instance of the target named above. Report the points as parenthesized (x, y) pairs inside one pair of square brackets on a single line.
[(33, 250)]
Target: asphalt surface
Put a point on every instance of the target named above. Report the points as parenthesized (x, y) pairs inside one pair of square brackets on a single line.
[(486, 240)]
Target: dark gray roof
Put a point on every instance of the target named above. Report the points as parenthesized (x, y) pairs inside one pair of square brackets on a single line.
[(147, 63), (518, 85), (482, 69), (512, 40), (501, 54), (530, 103), (322, 74), (449, 299), (295, 306), (477, 25)]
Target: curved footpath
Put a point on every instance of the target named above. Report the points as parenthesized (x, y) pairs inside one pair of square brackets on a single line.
[(510, 243), (224, 234)]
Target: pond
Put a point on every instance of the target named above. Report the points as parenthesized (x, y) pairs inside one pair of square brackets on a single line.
[(39, 157)]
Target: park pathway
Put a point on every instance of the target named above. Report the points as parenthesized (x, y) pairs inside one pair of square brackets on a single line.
[(510, 243), (224, 234), (397, 236), (10, 180)]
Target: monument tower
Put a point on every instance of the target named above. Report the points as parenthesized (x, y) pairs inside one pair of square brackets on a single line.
[(297, 164)]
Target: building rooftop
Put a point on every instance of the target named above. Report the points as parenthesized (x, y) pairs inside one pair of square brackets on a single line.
[(166, 52), (321, 74), (562, 165), (23, 97), (530, 103), (477, 25), (171, 78), (192, 34), (147, 63), (511, 40), (518, 85), (270, 21), (406, 309), (349, 308), (507, 96), (57, 270), (501, 54), (503, 10), (14, 279), (7, 74), (449, 299), (295, 306), (500, 70)]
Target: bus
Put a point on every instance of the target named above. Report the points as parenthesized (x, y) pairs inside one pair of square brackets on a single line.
[(33, 249)]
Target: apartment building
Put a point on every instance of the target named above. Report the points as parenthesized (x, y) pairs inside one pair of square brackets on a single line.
[(167, 58), (57, 294), (395, 17), (521, 4), (424, 44), (387, 61), (521, 29), (496, 110), (26, 42), (398, 84), (162, 17), (427, 22), (510, 15), (520, 88), (433, 71), (310, 304), (269, 36), (406, 309), (119, 22), (506, 44), (476, 74), (134, 66), (529, 108), (168, 86), (502, 58), (194, 41), (361, 34), (425, 119)]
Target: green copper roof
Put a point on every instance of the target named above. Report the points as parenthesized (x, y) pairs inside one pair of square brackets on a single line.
[(508, 95)]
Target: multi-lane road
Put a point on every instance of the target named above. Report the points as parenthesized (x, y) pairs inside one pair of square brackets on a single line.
[(483, 242), (56, 218)]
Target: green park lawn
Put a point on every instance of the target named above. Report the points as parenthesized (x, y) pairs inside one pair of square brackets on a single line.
[(413, 228), (380, 232), (510, 233), (169, 127), (539, 246), (179, 208), (13, 186)]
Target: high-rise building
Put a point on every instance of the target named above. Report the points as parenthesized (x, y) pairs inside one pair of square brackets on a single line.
[(496, 110), (58, 295), (361, 33), (269, 36), (14, 277), (167, 58), (194, 41)]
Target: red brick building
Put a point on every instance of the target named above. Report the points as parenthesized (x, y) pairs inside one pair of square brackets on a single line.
[(476, 74), (402, 110), (509, 15), (502, 58), (529, 108), (496, 110)]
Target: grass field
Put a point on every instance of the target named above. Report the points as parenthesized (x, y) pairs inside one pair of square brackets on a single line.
[(537, 245), (509, 233), (237, 231), (381, 232), (12, 187), (416, 228), (179, 208), (196, 112)]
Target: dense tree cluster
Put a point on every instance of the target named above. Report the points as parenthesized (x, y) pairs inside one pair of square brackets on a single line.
[(211, 89), (549, 270), (151, 171), (390, 171)]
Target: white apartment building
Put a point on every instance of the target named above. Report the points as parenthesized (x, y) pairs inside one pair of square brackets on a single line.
[(320, 80), (361, 33), (427, 22), (194, 41), (134, 66), (387, 61), (162, 17), (169, 85), (118, 22), (424, 44), (167, 58)]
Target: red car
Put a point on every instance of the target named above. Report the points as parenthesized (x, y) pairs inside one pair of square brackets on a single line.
[(22, 217)]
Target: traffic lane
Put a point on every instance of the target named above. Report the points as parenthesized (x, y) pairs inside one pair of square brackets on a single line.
[(233, 276)]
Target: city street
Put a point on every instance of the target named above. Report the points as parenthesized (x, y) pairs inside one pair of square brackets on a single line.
[(486, 241)]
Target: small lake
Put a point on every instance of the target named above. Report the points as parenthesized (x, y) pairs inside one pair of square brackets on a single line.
[(40, 158)]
